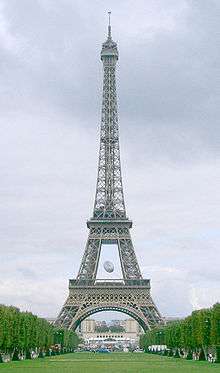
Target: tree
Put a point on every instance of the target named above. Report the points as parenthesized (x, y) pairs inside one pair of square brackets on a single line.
[(116, 329), (22, 332), (196, 332), (215, 325)]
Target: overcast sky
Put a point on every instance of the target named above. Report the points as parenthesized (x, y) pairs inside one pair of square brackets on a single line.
[(50, 100)]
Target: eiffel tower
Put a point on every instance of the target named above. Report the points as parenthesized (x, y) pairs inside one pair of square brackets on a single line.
[(109, 225)]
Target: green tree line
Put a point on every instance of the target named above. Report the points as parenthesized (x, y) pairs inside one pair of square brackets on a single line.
[(199, 332), (24, 332), (111, 329)]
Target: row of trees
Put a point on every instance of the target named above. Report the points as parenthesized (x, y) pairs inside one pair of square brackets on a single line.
[(23, 332), (199, 332), (111, 329)]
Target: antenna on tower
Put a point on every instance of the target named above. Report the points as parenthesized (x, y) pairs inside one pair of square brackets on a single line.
[(109, 24)]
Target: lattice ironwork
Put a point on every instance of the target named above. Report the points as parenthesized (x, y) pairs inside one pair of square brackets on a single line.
[(109, 224), (109, 199), (117, 233), (134, 300)]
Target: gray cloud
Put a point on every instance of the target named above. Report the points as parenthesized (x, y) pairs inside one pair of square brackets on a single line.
[(50, 96)]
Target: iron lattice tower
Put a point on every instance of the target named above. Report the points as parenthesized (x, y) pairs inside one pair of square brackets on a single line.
[(109, 225)]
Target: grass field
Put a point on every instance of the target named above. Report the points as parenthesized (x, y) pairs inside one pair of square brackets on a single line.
[(109, 363)]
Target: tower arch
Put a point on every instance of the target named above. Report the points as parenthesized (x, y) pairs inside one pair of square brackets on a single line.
[(127, 311)]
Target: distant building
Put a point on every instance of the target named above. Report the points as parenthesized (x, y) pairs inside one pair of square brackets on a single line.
[(132, 326), (127, 338), (88, 326)]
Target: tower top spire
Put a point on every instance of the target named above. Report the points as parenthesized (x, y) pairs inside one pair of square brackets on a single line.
[(109, 24), (109, 47)]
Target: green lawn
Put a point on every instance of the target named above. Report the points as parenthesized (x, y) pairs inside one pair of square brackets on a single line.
[(109, 363)]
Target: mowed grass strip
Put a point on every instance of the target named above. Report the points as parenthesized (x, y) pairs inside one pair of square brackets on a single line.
[(109, 363)]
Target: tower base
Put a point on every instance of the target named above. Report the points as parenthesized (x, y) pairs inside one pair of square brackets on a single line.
[(87, 297)]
